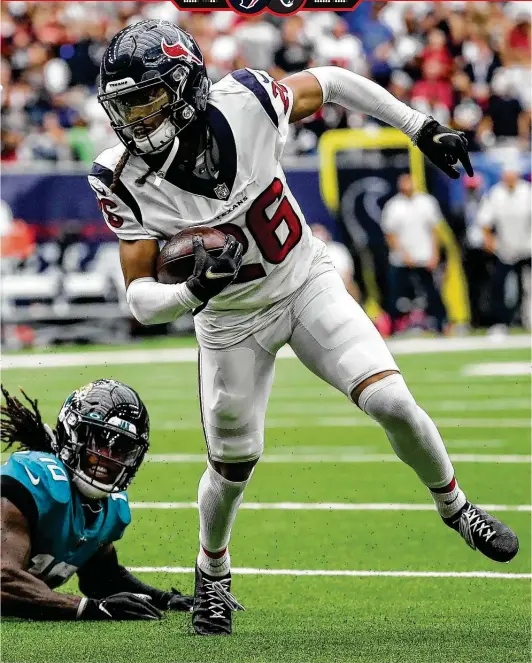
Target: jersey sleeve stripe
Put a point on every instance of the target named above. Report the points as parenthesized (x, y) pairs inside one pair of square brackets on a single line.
[(105, 175), (20, 496), (247, 79)]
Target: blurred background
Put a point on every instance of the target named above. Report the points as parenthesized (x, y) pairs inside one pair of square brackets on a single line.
[(452, 260)]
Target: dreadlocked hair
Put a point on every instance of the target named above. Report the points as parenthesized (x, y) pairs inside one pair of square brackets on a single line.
[(119, 169), (23, 426), (141, 181)]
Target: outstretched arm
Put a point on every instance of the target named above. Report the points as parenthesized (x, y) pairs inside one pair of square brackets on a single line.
[(24, 595), (103, 576), (319, 85)]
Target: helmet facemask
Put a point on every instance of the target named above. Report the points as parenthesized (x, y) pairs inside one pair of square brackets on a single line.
[(148, 116), (103, 456)]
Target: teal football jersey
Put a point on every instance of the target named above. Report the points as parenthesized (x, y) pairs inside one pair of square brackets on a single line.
[(61, 541)]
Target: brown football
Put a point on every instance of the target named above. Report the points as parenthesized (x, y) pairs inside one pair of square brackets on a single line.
[(176, 260)]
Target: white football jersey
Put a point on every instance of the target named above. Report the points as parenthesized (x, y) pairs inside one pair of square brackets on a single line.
[(249, 115)]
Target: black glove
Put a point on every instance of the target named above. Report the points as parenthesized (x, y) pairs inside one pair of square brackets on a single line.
[(179, 602), (211, 275), (444, 147), (120, 606)]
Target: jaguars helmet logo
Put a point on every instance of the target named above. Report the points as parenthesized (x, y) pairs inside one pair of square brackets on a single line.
[(284, 7)]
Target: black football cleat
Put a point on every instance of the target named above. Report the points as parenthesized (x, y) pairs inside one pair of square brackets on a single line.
[(213, 605), (485, 533)]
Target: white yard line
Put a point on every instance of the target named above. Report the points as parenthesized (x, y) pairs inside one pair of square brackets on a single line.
[(341, 406), (342, 458), (498, 368), (178, 355), (356, 421), (352, 574), (324, 506)]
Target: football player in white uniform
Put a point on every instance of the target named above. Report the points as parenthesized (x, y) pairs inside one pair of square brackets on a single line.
[(194, 154)]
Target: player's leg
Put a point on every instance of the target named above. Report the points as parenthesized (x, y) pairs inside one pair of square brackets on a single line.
[(336, 340), (399, 288), (435, 306), (235, 384), (500, 311)]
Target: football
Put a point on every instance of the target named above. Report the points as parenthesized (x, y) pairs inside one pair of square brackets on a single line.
[(176, 261)]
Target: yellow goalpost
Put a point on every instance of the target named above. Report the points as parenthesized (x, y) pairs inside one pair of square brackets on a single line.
[(454, 291)]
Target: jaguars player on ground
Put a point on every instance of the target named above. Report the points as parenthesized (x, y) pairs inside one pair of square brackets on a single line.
[(64, 505), (195, 154)]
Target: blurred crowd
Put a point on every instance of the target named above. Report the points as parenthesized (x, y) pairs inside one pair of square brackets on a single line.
[(467, 64)]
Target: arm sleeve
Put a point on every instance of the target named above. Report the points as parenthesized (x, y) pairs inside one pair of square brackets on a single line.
[(357, 93), (153, 303), (103, 576)]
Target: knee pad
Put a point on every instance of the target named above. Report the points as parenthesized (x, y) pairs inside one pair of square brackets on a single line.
[(390, 402), (234, 449)]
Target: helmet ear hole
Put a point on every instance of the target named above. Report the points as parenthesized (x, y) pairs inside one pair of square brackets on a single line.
[(202, 93)]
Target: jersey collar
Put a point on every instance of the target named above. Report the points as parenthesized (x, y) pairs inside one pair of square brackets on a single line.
[(228, 163)]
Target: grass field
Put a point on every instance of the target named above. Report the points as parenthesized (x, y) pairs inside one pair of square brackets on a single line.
[(338, 502)]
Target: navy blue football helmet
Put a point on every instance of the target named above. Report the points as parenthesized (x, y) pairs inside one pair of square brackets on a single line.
[(153, 84)]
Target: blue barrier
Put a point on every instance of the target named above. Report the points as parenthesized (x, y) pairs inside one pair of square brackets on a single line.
[(56, 199)]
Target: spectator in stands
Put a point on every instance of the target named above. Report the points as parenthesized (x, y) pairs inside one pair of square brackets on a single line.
[(340, 258), (506, 121), (505, 215), (409, 221), (295, 52), (377, 40), (433, 94), (50, 55), (339, 48), (467, 113), (258, 40), (482, 62), (49, 143)]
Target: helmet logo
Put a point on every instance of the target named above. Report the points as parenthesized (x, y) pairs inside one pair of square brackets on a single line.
[(179, 51), (249, 6)]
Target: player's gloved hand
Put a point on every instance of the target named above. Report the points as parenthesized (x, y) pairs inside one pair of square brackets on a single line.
[(179, 602), (444, 147), (123, 606), (211, 275)]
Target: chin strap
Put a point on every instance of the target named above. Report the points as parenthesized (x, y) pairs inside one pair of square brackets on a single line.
[(53, 439), (161, 174)]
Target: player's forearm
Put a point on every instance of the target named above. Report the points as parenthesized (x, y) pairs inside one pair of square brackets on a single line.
[(154, 303), (357, 93), (101, 582), (25, 596)]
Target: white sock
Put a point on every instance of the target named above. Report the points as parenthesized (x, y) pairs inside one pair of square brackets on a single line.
[(218, 502), (217, 568), (449, 502)]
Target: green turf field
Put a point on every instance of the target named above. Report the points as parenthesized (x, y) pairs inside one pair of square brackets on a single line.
[(338, 502)]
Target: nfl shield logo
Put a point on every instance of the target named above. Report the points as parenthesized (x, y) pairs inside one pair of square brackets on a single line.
[(222, 191)]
